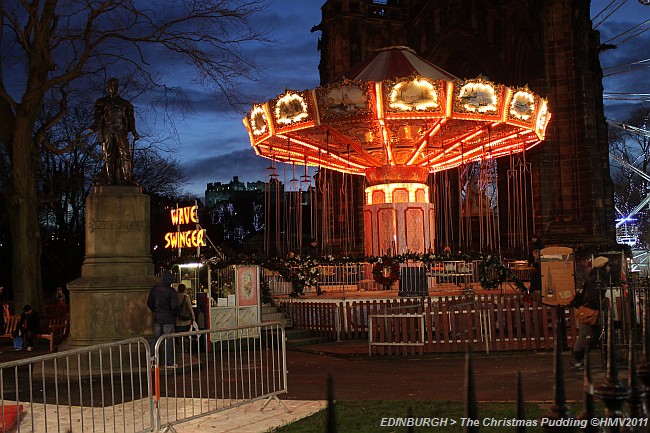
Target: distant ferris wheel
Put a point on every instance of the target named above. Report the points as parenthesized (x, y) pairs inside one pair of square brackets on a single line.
[(625, 60)]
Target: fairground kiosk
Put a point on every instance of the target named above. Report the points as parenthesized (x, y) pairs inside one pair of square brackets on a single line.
[(235, 296), (237, 300)]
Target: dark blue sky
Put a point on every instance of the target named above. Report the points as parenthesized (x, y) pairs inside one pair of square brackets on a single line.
[(214, 144)]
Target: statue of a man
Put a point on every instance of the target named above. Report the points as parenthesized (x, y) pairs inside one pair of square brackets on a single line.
[(114, 119)]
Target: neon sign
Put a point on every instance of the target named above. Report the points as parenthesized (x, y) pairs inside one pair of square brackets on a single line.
[(185, 215), (186, 238)]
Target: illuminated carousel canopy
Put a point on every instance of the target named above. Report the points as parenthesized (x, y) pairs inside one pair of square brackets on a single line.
[(397, 117)]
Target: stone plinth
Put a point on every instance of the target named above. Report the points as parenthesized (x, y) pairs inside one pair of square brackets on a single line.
[(108, 301)]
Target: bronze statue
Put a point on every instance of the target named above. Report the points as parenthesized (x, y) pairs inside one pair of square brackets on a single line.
[(113, 120)]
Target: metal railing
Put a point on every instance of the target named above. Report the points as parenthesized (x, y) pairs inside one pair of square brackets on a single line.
[(120, 387), (354, 277), (105, 387), (239, 365)]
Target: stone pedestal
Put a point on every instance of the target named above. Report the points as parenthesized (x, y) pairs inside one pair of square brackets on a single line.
[(108, 301)]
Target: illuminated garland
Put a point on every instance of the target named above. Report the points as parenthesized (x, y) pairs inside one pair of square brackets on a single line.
[(493, 263), (379, 274)]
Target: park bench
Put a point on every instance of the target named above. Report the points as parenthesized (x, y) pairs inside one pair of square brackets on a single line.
[(10, 327), (53, 329), (56, 310)]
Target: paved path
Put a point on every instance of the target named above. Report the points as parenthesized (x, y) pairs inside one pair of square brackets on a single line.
[(358, 377), (429, 377)]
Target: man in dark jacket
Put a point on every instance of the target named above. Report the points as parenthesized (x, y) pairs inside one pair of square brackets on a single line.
[(163, 301)]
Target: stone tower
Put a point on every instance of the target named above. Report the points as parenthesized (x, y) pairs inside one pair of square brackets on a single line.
[(549, 46)]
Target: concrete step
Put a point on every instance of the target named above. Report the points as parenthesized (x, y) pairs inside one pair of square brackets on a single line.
[(270, 313), (268, 309), (272, 317)]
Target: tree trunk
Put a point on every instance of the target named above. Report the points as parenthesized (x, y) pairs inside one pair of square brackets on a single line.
[(23, 217)]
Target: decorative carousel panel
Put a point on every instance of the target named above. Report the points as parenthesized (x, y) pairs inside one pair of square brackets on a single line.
[(421, 196), (368, 237), (291, 108), (432, 226), (521, 107), (400, 195), (387, 229), (413, 96), (258, 123), (477, 99), (344, 100), (378, 197), (543, 117), (415, 235)]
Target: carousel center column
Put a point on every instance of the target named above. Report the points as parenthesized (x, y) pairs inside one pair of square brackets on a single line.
[(108, 301), (398, 216)]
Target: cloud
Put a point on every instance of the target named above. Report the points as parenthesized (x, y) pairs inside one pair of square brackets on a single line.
[(243, 163)]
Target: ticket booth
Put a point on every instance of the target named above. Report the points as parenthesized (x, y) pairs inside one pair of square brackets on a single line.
[(237, 302), (195, 276)]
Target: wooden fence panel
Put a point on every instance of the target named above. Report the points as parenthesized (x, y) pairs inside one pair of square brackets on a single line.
[(489, 322)]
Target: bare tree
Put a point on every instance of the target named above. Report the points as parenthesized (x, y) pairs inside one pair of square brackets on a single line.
[(54, 50)]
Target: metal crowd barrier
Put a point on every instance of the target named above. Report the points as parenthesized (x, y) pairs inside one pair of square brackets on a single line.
[(120, 387), (276, 284), (239, 365), (358, 276), (344, 277), (105, 387)]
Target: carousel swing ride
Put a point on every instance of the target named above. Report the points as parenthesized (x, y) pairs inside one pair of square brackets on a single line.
[(403, 123)]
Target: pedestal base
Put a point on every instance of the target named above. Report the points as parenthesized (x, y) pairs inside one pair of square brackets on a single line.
[(108, 302)]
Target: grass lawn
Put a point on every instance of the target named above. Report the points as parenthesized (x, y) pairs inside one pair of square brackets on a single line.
[(368, 416)]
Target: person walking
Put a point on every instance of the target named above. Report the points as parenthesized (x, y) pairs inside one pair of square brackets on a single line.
[(590, 297), (163, 302)]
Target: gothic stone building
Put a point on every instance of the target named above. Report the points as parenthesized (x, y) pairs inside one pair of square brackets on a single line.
[(547, 45)]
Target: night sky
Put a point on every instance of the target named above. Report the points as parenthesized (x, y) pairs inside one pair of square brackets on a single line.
[(214, 144), (211, 142)]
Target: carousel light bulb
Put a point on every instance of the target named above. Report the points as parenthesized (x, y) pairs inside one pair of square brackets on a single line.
[(417, 192)]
